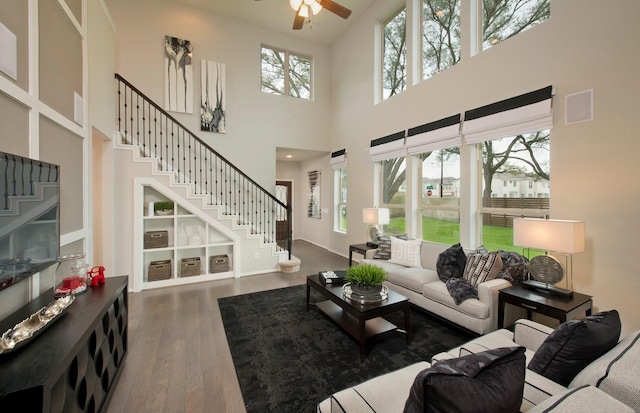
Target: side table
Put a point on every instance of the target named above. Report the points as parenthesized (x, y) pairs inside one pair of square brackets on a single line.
[(562, 309), (360, 249)]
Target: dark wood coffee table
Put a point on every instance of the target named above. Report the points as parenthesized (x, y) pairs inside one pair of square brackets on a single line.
[(361, 321)]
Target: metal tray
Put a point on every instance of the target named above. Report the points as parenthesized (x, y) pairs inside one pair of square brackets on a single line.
[(365, 299), (34, 325)]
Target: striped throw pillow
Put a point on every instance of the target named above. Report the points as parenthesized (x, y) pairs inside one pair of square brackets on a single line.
[(383, 252), (482, 267)]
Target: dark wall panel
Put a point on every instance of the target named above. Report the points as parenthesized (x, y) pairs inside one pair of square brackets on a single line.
[(14, 16), (60, 146), (14, 126), (60, 58)]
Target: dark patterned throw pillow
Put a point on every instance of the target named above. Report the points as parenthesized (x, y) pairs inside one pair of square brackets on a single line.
[(491, 381), (460, 290), (575, 344), (514, 267), (383, 252), (451, 262)]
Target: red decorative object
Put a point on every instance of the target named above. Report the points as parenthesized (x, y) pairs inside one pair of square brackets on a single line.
[(70, 285), (96, 274)]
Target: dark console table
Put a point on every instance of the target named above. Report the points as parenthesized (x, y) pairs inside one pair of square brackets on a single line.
[(360, 249), (562, 309), (74, 364)]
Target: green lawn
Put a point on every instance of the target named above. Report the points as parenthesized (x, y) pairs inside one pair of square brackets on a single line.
[(447, 232)]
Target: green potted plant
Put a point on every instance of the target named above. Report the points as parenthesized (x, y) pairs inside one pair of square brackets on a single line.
[(365, 279), (163, 207)]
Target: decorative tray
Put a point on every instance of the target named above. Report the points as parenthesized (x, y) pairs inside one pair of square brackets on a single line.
[(366, 299), (32, 326)]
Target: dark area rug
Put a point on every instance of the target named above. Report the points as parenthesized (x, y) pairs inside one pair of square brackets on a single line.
[(289, 360)]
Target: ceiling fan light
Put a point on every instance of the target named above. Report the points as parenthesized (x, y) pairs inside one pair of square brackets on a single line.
[(295, 4), (304, 11), (315, 8), (309, 2)]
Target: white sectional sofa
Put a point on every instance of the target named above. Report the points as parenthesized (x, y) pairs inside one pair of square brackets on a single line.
[(611, 383), (424, 289)]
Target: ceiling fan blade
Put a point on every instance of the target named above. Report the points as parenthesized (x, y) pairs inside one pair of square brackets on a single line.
[(335, 8), (298, 22)]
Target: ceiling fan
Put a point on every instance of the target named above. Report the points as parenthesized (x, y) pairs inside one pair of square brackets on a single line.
[(306, 8)]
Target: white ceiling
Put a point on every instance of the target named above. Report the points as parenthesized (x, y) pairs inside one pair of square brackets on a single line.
[(278, 15), (297, 155)]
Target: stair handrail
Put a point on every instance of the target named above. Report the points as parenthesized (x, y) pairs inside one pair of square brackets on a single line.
[(186, 130)]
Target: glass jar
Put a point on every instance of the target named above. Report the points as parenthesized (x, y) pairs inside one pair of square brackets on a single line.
[(71, 275)]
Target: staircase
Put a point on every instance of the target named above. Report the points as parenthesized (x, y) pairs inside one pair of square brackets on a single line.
[(165, 154), (29, 190)]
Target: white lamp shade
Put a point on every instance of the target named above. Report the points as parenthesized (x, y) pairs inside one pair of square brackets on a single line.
[(304, 11), (549, 234), (316, 7), (295, 4), (375, 216)]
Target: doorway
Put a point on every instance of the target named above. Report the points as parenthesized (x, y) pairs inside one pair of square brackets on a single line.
[(284, 195)]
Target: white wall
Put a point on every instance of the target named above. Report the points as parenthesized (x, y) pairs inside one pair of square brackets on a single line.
[(257, 123), (580, 47), (101, 60)]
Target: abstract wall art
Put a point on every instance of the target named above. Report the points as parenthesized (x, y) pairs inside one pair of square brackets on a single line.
[(178, 85), (213, 113), (313, 207)]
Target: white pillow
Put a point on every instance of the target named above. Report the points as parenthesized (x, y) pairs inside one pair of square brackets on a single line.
[(405, 253)]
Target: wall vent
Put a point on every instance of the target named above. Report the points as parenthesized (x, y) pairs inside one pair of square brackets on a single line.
[(578, 107)]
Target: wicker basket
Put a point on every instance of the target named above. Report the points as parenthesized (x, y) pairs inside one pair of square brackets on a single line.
[(156, 239), (159, 270), (190, 267), (218, 263)]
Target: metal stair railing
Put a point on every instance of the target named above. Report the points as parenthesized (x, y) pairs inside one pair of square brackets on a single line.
[(21, 175), (161, 137)]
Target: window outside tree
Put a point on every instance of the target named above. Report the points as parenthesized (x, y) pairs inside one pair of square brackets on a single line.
[(394, 59), (522, 161), (340, 185), (285, 73)]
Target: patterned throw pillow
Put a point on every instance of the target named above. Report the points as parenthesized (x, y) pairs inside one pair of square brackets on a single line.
[(489, 381), (405, 253), (482, 267), (514, 267), (575, 344), (383, 252), (451, 263), (460, 290)]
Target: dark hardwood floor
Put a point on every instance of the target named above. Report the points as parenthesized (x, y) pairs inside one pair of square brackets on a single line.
[(178, 358)]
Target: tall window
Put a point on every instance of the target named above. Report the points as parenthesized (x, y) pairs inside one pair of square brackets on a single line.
[(392, 190), (394, 59), (522, 158), (440, 35), (440, 195), (340, 186), (502, 19), (285, 73)]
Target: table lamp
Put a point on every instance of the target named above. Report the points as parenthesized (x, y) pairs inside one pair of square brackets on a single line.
[(375, 217), (560, 237)]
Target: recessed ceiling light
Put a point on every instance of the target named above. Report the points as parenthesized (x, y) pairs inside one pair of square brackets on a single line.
[(289, 156)]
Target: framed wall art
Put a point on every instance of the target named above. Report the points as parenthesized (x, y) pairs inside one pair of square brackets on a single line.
[(178, 85), (313, 207), (213, 114)]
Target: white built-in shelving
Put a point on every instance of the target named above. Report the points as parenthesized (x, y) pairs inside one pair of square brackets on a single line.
[(188, 236)]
